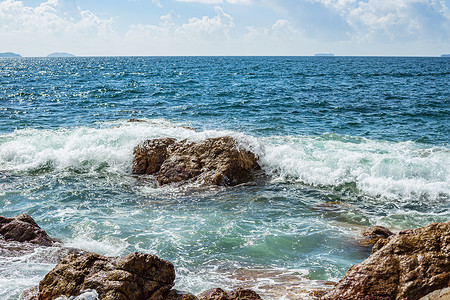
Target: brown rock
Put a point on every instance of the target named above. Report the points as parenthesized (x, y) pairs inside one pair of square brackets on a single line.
[(149, 156), (213, 294), (23, 228), (133, 120), (404, 266), (236, 294), (136, 276), (179, 295), (373, 234), (443, 294), (243, 294), (216, 161)]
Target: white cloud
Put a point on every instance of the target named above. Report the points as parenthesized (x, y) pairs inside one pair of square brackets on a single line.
[(283, 29), (268, 27), (400, 19), (238, 2), (207, 28), (215, 27), (372, 20), (50, 25)]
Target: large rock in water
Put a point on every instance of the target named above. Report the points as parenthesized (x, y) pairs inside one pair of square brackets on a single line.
[(136, 276), (216, 161), (23, 228), (408, 265)]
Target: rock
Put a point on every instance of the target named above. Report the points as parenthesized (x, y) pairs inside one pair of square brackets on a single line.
[(213, 294), (236, 294), (30, 294), (443, 294), (133, 277), (215, 161), (133, 120), (23, 228), (179, 295), (373, 234), (244, 294), (403, 266), (149, 156)]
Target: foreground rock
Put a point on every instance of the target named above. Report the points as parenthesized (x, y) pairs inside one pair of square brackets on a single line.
[(23, 228), (135, 276), (236, 294), (216, 161), (408, 265)]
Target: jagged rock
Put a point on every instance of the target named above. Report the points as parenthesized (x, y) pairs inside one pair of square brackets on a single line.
[(236, 294), (149, 156), (408, 265), (373, 234), (216, 161), (136, 276), (22, 228)]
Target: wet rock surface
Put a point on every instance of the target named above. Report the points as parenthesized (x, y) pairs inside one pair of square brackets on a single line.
[(133, 277), (179, 295), (373, 234), (23, 228), (408, 265), (236, 294), (215, 161)]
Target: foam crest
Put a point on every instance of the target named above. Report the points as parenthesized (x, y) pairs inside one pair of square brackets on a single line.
[(81, 149), (378, 168), (108, 147)]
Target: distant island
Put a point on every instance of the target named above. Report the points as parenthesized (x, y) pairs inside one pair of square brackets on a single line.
[(445, 55), (9, 54), (60, 54), (324, 54)]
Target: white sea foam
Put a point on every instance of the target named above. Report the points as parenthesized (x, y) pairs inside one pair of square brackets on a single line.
[(377, 168), (23, 266)]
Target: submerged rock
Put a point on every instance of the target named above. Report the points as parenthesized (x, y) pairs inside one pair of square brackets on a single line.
[(373, 234), (215, 161), (133, 277), (22, 228), (236, 294), (408, 265), (133, 120)]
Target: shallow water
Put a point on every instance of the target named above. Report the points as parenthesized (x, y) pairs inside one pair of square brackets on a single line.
[(344, 143)]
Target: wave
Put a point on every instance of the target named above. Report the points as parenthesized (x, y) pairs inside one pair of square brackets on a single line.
[(376, 168)]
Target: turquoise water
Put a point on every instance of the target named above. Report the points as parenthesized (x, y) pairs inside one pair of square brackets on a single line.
[(344, 143)]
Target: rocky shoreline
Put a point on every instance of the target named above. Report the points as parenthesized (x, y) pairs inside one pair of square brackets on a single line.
[(412, 264)]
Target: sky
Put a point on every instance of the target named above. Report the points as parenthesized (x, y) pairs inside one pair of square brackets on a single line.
[(225, 27)]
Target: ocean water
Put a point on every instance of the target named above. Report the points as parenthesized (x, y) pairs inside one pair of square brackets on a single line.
[(344, 143)]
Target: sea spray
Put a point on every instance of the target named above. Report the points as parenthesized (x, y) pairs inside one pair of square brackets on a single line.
[(377, 168)]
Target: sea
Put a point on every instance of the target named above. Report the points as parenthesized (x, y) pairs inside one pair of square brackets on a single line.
[(344, 143)]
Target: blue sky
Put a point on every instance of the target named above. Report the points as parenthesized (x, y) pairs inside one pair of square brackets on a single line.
[(225, 27)]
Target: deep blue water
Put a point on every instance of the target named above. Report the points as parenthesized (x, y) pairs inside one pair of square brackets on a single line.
[(344, 143), (391, 98)]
